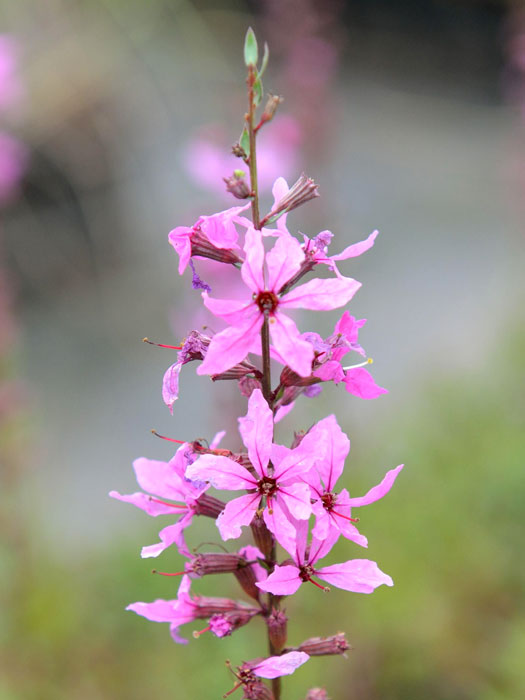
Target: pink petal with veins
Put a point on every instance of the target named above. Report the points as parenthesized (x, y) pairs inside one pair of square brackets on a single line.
[(284, 665), (284, 580), (252, 267), (170, 385), (298, 353), (321, 294), (378, 491), (283, 261), (173, 534), (357, 248), (149, 504), (360, 382), (238, 512), (230, 346), (221, 472), (356, 575), (256, 429)]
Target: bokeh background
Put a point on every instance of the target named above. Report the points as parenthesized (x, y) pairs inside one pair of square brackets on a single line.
[(411, 117)]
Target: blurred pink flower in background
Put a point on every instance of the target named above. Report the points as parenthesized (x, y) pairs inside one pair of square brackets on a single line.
[(208, 157)]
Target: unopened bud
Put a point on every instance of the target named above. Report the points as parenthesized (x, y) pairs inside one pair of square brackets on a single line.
[(325, 646), (247, 386), (317, 694), (290, 378), (238, 371), (237, 185), (245, 575), (277, 622), (301, 192), (239, 151), (262, 536), (257, 690), (270, 108), (216, 563), (209, 506)]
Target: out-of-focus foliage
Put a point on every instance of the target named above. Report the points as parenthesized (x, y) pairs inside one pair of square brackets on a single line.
[(450, 534)]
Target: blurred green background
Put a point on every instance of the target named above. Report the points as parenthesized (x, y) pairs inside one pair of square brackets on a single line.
[(410, 116)]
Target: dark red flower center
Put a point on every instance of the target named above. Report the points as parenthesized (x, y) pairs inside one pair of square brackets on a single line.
[(267, 301), (306, 572), (267, 486), (329, 500)]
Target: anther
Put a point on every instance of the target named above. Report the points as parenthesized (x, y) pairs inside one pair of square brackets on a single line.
[(161, 345), (197, 633), (326, 589)]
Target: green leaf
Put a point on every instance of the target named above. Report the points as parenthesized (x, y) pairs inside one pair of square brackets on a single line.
[(266, 56), (257, 91), (244, 141), (250, 48)]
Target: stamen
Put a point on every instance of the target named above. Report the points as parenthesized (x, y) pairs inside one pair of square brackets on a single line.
[(166, 503), (197, 633), (326, 589), (179, 442), (163, 573), (361, 364), (161, 345), (346, 517)]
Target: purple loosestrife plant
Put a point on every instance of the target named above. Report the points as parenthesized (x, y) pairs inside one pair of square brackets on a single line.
[(289, 496)]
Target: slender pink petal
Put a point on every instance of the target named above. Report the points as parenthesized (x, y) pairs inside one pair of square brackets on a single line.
[(252, 267), (293, 464), (149, 504), (251, 553), (279, 524), (256, 429), (237, 513), (297, 499), (279, 190), (173, 534), (321, 294), (349, 327), (323, 521), (320, 548), (219, 228), (331, 447), (339, 520), (237, 312), (229, 347), (356, 575), (330, 371), (283, 411), (378, 491), (360, 382), (283, 261), (159, 478), (357, 248), (179, 238), (284, 665), (170, 385), (284, 580), (216, 441), (298, 353), (158, 611), (221, 472)]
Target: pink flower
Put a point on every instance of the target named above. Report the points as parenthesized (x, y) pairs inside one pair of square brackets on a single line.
[(228, 614), (281, 487), (166, 480), (333, 510), (276, 666), (212, 237), (356, 575), (316, 249), (246, 317)]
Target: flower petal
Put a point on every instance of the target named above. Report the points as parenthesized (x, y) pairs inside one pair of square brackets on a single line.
[(330, 446), (222, 473), (321, 294), (356, 575), (230, 346), (360, 382), (357, 248), (170, 385), (297, 499), (159, 478), (283, 262), (378, 491), (284, 580), (284, 665), (238, 512), (148, 504), (252, 267), (256, 429), (173, 534), (296, 352)]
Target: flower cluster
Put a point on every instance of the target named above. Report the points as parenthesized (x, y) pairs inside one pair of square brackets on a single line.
[(287, 495)]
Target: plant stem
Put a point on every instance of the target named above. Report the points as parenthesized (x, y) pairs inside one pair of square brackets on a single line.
[(250, 118)]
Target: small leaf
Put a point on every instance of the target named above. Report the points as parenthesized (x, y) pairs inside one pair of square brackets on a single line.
[(250, 48), (257, 91), (244, 141), (266, 56)]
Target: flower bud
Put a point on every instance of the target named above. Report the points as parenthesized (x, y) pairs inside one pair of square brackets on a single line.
[(238, 371), (257, 690), (237, 185), (239, 151), (209, 506), (216, 563), (325, 646), (270, 108), (247, 385), (301, 192), (246, 577), (276, 622), (262, 536)]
